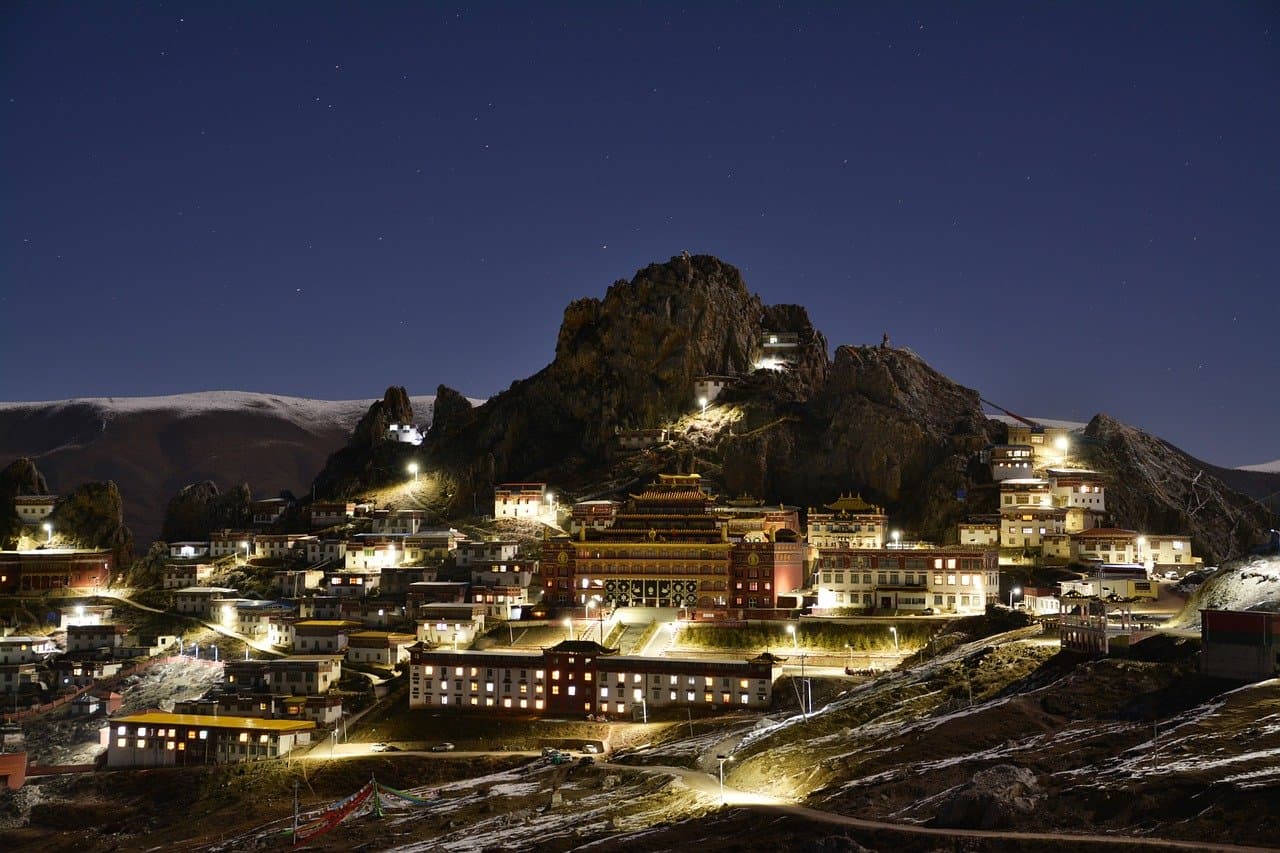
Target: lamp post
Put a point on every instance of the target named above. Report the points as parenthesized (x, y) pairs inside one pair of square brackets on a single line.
[(722, 759), (568, 626), (849, 667), (791, 629), (413, 469), (644, 708), (245, 546), (893, 629), (1017, 590), (702, 401), (895, 536), (48, 532)]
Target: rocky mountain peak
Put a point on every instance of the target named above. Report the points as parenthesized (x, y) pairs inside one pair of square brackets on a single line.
[(393, 408), (1157, 487)]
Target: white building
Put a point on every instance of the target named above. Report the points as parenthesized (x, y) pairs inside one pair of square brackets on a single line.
[(946, 580), (405, 434), (530, 501), (33, 509)]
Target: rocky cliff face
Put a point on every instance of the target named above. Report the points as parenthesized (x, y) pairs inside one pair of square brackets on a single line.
[(19, 477), (1156, 487), (92, 516), (200, 508), (370, 459), (883, 423), (627, 360)]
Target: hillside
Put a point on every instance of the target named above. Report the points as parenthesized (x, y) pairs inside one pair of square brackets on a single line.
[(153, 446), (877, 420)]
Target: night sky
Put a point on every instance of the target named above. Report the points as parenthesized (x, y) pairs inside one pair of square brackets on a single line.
[(1071, 207)]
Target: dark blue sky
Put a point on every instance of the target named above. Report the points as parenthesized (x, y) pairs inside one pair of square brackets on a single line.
[(1071, 207)]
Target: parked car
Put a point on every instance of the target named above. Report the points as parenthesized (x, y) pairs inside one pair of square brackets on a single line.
[(591, 747), (379, 747), (443, 747)]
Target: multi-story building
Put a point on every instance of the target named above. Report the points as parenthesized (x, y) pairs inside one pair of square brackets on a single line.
[(667, 549), (944, 579), (472, 552), (1010, 461), (747, 518), (379, 648), (430, 544), (370, 554), (180, 575), (54, 568), (531, 501), (25, 649), (329, 513), (188, 550), (157, 739), (198, 600), (33, 509), (323, 636), (707, 388), (1078, 488), (95, 638), (850, 522), (580, 676), (401, 522), (268, 511), (639, 439), (1050, 445), (225, 543), (980, 533), (307, 675), (596, 515)]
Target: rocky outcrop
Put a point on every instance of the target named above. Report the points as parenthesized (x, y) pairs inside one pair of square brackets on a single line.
[(1155, 487), (19, 477), (453, 416), (393, 408), (371, 458), (200, 509), (627, 360), (92, 516), (883, 423), (994, 799)]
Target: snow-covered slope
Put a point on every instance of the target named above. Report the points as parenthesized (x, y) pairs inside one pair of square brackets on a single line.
[(1247, 583), (153, 446), (1272, 467), (323, 414), (1049, 422)]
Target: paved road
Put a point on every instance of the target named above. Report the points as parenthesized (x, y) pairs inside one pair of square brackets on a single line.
[(708, 784)]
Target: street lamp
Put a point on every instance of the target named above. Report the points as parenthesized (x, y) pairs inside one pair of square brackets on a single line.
[(722, 759), (48, 532), (1017, 590), (568, 626), (702, 401), (893, 629), (849, 646), (644, 708), (791, 629), (895, 536), (245, 546), (413, 469)]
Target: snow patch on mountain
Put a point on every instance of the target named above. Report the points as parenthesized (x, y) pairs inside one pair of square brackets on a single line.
[(321, 414), (1049, 422), (1272, 467), (1247, 583)]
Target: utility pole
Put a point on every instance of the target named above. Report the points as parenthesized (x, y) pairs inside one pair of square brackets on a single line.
[(295, 811)]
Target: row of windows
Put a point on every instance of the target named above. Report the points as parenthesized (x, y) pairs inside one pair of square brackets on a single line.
[(907, 579)]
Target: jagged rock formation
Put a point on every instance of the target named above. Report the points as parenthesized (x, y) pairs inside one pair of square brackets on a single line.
[(876, 419), (1156, 487), (19, 477), (371, 458), (200, 508), (996, 797), (393, 408), (885, 423), (628, 360), (92, 516)]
